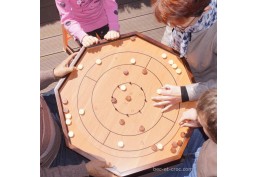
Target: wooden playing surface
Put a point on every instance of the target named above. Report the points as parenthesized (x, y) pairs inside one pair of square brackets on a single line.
[(98, 131)]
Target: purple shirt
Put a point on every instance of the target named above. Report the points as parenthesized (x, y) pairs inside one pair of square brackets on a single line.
[(82, 16)]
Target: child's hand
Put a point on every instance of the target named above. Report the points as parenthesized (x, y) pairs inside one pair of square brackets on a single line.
[(169, 96), (111, 35), (97, 168), (63, 68), (89, 40), (189, 119)]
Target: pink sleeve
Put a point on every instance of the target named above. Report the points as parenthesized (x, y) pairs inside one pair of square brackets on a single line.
[(71, 25), (111, 9)]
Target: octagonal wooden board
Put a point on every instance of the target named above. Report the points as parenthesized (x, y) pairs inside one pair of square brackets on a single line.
[(96, 90)]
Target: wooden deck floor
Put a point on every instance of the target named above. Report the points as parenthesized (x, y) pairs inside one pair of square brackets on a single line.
[(134, 15)]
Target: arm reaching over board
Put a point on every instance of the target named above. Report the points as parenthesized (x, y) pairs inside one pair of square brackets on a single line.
[(168, 96)]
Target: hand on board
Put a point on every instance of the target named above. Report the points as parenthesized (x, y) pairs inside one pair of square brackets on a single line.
[(89, 40), (63, 68), (111, 35), (96, 168), (189, 119), (169, 95)]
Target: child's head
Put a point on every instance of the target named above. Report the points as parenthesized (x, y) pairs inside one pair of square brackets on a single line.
[(178, 12), (207, 113)]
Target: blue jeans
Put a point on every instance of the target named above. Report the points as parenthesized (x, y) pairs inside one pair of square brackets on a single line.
[(65, 155), (187, 167)]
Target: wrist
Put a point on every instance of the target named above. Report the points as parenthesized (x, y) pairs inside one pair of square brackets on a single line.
[(54, 74), (57, 74), (184, 94), (85, 35)]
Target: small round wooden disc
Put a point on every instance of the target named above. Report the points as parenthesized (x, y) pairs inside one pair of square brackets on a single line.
[(98, 61), (159, 91), (171, 62), (133, 61), (68, 116), (64, 101), (65, 110), (174, 144), (154, 147), (141, 129), (126, 72), (180, 143), (132, 38), (120, 144), (80, 66), (122, 87), (144, 71), (68, 121), (128, 98), (164, 56), (188, 133), (160, 146), (114, 100), (70, 134), (81, 111), (174, 66), (178, 71), (121, 121), (173, 150), (182, 134)]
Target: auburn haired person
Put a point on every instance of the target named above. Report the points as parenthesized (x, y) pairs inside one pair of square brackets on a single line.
[(192, 32)]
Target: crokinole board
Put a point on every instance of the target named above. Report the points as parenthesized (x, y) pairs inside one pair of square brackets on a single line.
[(97, 114)]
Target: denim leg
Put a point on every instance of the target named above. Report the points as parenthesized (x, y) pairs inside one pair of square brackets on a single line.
[(197, 138), (50, 99), (193, 172), (65, 155)]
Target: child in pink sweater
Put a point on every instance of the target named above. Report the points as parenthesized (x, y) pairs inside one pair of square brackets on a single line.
[(88, 20)]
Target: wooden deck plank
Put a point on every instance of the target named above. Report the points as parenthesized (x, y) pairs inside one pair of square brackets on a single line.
[(51, 61), (134, 9), (140, 24), (46, 3), (54, 45), (50, 30), (49, 14), (51, 45), (155, 33)]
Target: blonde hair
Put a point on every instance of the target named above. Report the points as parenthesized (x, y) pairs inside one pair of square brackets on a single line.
[(207, 108)]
